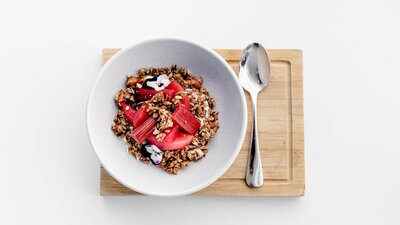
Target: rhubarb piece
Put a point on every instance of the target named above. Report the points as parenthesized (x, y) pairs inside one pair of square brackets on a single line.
[(144, 94), (144, 130), (186, 120), (175, 86), (142, 97), (186, 103), (178, 88), (129, 112), (174, 140), (140, 116)]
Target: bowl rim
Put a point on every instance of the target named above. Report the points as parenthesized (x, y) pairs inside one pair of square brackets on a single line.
[(229, 161)]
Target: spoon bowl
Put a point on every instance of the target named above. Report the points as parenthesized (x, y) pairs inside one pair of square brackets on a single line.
[(254, 68)]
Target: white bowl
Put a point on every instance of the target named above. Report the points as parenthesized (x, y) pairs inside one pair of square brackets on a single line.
[(219, 79)]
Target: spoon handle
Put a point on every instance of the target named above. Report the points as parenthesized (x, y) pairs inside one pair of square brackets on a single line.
[(254, 175)]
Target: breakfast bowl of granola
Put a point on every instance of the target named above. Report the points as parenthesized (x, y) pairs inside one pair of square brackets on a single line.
[(166, 117)]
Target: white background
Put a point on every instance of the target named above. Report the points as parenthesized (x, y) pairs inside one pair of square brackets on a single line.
[(50, 55)]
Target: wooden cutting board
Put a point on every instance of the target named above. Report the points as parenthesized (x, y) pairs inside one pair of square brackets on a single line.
[(281, 133)]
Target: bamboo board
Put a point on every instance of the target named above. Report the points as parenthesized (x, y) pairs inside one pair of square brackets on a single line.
[(281, 133)]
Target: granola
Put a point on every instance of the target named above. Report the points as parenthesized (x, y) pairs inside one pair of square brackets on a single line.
[(155, 117)]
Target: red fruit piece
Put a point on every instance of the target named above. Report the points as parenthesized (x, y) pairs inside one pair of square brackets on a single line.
[(174, 140), (186, 120), (144, 94), (142, 97), (144, 130), (168, 93), (140, 116), (175, 87), (178, 88), (129, 112), (186, 103)]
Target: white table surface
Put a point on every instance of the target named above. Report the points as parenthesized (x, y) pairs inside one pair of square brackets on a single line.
[(50, 55)]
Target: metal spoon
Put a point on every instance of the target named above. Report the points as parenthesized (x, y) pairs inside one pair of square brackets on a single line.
[(254, 74)]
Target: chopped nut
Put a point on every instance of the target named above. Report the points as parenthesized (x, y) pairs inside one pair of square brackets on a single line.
[(130, 91), (195, 83), (154, 71), (120, 97), (131, 81), (118, 129), (142, 72), (160, 136), (173, 67), (159, 97)]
